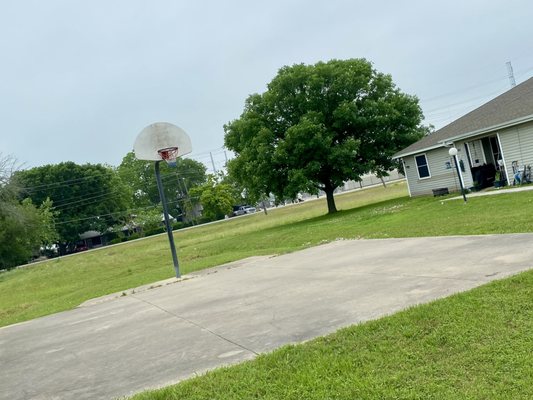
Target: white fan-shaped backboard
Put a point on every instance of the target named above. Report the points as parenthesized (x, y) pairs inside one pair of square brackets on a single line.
[(158, 136)]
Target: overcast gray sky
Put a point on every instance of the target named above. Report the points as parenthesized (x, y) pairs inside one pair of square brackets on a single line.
[(79, 80)]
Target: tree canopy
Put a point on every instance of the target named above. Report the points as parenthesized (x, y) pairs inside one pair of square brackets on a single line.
[(217, 198), (319, 125), (24, 228), (85, 197), (139, 175)]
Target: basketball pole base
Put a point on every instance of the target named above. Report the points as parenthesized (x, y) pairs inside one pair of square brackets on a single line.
[(167, 220)]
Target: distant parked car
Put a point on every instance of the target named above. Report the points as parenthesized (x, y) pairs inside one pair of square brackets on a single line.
[(244, 209), (239, 210)]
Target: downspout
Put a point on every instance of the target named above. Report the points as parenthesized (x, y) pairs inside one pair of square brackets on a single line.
[(406, 178), (503, 158), (469, 160)]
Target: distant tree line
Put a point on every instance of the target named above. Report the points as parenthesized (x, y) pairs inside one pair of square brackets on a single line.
[(50, 206)]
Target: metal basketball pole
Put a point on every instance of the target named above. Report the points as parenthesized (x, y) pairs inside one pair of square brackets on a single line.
[(167, 221)]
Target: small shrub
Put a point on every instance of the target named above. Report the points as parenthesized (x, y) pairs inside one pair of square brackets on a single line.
[(155, 231), (134, 236), (178, 225)]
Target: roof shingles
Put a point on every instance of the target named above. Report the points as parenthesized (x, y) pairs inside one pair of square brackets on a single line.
[(512, 105)]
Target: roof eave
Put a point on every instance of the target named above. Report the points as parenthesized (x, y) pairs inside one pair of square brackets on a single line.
[(504, 125), (448, 141), (410, 153)]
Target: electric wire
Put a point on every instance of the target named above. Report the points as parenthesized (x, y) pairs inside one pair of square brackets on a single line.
[(70, 182), (45, 187), (122, 212), (93, 200)]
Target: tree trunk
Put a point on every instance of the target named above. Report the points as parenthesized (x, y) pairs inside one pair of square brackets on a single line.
[(329, 196), (383, 181)]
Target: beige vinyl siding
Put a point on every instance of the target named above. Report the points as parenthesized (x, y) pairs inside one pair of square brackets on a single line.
[(440, 176), (517, 145)]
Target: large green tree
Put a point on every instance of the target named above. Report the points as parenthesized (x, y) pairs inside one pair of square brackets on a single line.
[(24, 228), (85, 197), (217, 198), (139, 175), (320, 125)]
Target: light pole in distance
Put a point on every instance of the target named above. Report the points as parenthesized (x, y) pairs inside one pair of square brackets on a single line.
[(453, 153)]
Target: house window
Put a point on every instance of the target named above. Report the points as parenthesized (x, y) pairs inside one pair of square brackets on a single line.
[(422, 166)]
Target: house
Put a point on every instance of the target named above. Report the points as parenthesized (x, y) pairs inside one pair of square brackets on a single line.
[(496, 139), (90, 240)]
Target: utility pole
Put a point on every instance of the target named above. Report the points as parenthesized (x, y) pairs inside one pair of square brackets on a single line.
[(193, 214), (213, 163), (510, 74)]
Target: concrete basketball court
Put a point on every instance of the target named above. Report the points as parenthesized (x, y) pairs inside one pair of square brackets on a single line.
[(121, 345)]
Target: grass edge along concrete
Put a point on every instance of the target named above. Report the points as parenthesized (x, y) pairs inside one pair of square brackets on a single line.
[(373, 213), (474, 344)]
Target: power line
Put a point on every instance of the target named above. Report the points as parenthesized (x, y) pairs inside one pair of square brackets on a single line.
[(106, 195), (438, 114), (129, 210), (72, 182), (110, 194), (108, 214), (445, 108), (193, 155), (69, 182), (101, 196), (463, 90)]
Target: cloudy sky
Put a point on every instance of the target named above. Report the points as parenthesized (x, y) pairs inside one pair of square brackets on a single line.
[(79, 80)]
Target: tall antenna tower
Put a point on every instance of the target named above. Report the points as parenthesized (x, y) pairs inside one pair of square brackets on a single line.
[(510, 74)]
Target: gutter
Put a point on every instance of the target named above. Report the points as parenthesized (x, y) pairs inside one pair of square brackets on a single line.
[(398, 156), (448, 141), (507, 124)]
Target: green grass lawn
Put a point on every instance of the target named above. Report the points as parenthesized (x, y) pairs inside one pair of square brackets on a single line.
[(473, 345), (64, 283)]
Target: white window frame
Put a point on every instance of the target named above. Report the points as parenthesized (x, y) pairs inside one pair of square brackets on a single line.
[(427, 165)]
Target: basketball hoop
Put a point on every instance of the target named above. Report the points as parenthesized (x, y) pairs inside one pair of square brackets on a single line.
[(169, 155), (160, 141)]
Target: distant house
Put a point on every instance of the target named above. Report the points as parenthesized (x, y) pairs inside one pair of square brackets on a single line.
[(495, 137), (90, 240)]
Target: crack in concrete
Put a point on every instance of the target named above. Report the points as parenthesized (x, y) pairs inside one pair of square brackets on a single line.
[(196, 324), (449, 278)]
